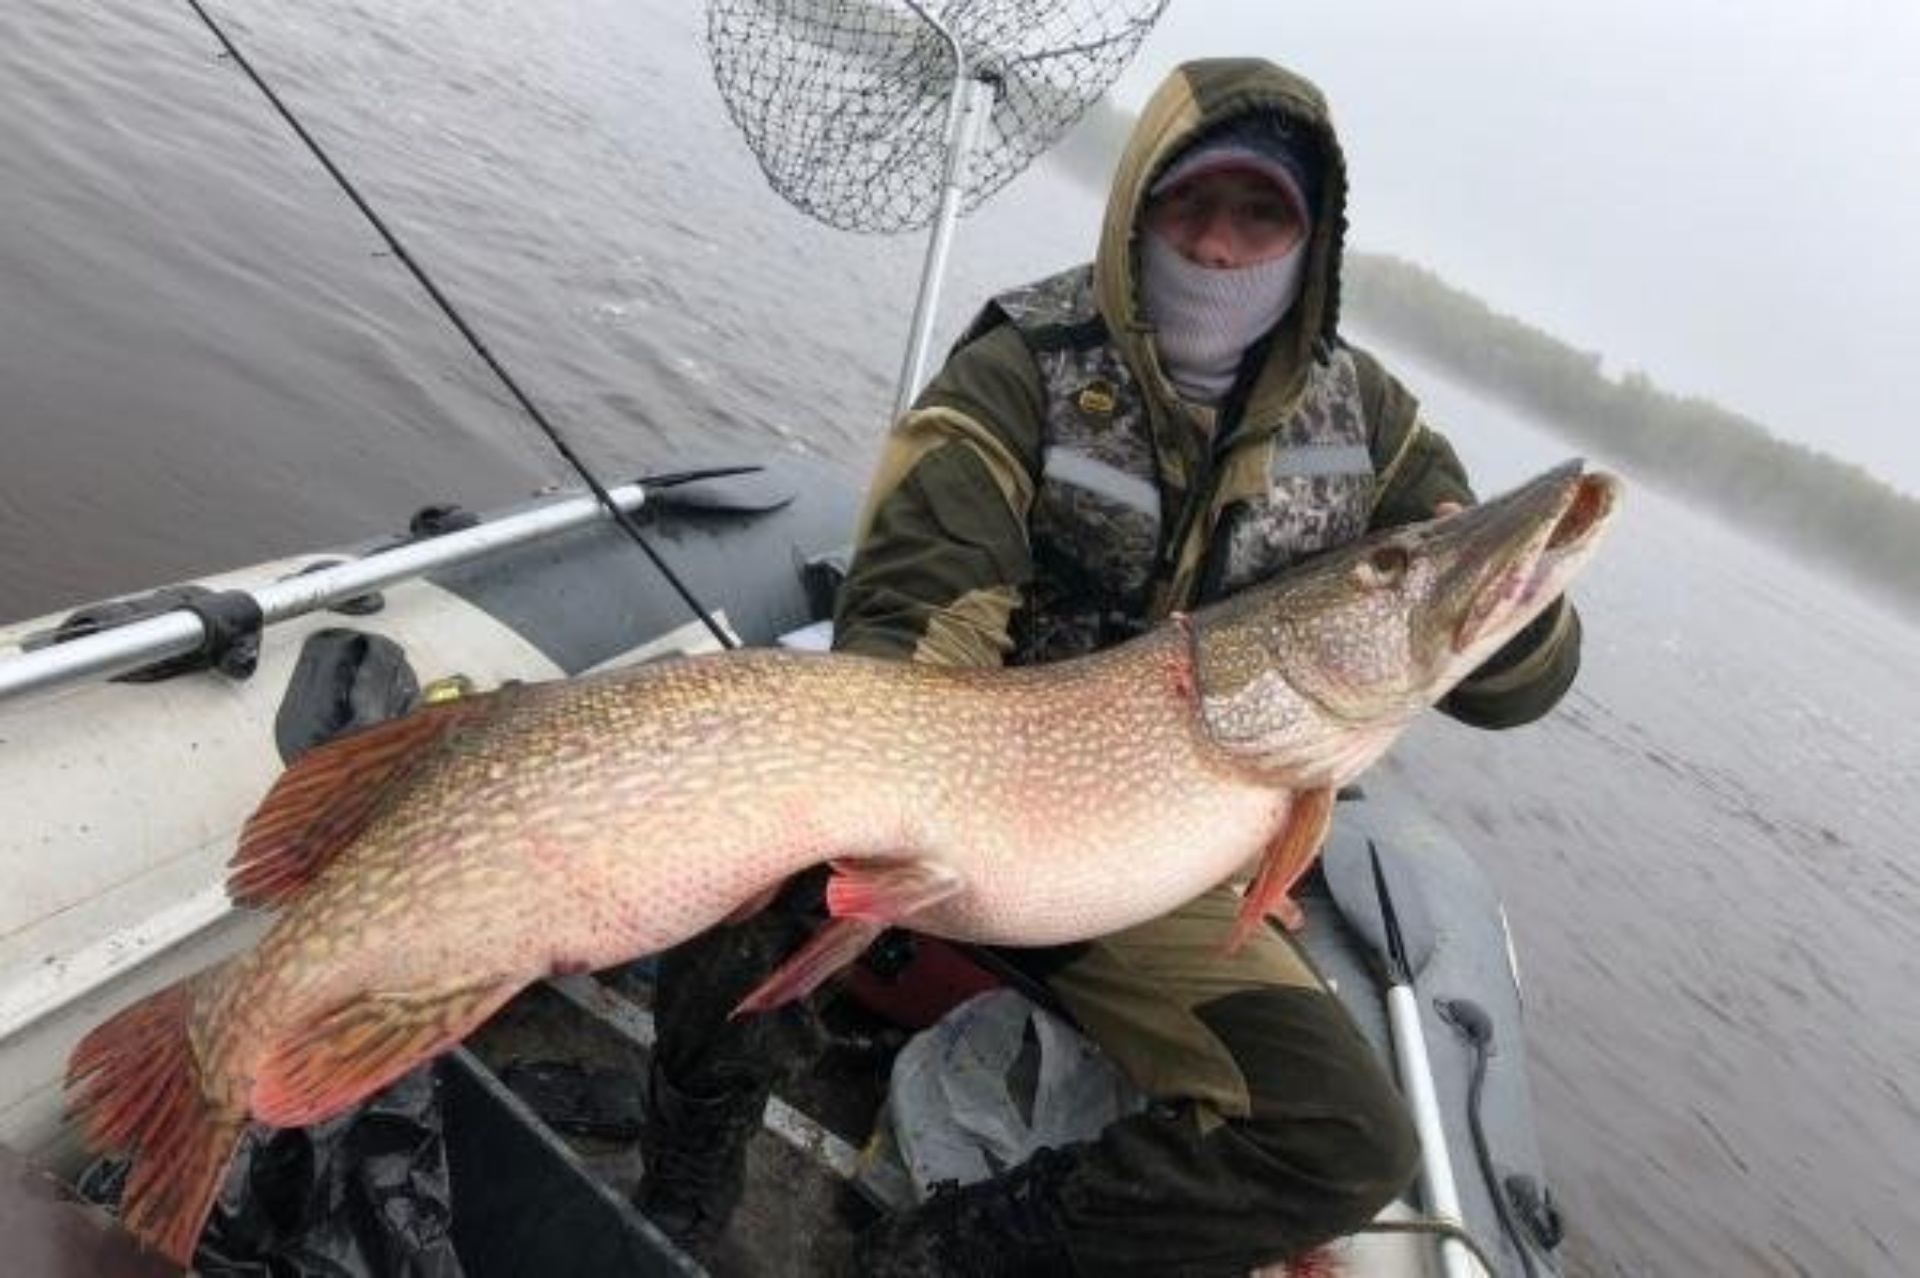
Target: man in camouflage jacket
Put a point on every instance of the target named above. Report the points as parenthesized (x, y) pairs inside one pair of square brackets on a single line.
[(1123, 440)]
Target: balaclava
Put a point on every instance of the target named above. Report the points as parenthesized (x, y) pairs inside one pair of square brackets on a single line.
[(1205, 317)]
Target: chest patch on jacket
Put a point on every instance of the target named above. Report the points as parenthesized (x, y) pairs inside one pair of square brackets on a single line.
[(1319, 489)]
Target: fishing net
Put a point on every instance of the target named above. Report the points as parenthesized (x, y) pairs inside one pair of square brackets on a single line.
[(845, 102)]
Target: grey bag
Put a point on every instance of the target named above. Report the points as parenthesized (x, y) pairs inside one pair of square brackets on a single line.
[(995, 1081)]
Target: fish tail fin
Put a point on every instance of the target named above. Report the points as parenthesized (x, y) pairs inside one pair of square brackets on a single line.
[(135, 1083)]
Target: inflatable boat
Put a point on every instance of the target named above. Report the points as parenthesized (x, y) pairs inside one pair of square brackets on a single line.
[(136, 736)]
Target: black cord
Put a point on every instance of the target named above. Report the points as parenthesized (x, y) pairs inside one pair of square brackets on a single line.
[(1477, 1028), (447, 308)]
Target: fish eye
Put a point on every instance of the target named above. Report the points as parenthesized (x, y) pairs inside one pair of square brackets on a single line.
[(1383, 566)]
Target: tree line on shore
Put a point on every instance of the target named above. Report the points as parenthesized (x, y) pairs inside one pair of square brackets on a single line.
[(1808, 501)]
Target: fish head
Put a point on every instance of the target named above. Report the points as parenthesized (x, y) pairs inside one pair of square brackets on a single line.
[(1355, 642)]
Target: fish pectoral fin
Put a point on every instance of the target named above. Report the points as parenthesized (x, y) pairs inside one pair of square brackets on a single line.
[(360, 1045), (1287, 858), (323, 802), (887, 891), (837, 943)]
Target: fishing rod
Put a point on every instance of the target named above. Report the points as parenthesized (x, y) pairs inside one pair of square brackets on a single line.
[(616, 509)]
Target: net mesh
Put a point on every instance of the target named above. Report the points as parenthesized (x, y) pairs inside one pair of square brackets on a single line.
[(844, 102)]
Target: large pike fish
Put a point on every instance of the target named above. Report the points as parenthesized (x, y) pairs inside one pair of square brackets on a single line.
[(428, 868)]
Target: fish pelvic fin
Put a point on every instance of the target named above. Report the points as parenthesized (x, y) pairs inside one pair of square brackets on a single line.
[(837, 943), (353, 1049), (320, 805), (134, 1083), (1287, 859), (864, 898), (886, 891), (754, 904)]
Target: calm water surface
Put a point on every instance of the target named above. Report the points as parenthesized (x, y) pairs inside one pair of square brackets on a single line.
[(208, 359)]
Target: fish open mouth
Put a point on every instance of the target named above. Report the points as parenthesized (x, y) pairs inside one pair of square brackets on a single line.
[(1593, 501), (1542, 571)]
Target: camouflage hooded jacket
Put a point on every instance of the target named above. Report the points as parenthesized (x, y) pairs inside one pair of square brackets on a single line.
[(1050, 492)]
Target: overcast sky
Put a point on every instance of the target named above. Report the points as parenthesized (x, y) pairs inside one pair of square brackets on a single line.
[(1722, 194)]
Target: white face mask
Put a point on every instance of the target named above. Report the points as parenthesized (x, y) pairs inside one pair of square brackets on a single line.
[(1207, 318)]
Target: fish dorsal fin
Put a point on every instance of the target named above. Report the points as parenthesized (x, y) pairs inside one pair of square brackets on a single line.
[(333, 1060), (323, 802)]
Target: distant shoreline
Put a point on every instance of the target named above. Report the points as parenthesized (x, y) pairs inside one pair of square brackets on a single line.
[(1804, 500)]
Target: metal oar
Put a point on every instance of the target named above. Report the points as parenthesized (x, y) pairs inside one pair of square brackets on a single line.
[(1415, 1069), (1402, 939), (180, 632)]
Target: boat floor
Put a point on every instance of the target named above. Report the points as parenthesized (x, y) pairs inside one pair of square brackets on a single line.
[(797, 1216)]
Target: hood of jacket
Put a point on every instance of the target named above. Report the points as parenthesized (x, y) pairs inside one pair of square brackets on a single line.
[(1198, 98)]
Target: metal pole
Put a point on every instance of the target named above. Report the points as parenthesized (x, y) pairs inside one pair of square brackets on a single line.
[(1415, 1069), (1436, 1168), (968, 106), (174, 634)]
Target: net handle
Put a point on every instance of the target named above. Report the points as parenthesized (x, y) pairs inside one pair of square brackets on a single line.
[(969, 104)]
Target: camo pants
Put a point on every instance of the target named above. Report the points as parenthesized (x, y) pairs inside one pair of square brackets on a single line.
[(1271, 1127)]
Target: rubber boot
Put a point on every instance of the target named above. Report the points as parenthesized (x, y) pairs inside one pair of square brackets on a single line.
[(710, 1076), (1006, 1227), (695, 1149)]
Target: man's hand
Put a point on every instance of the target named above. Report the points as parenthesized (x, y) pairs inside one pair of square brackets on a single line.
[(1444, 508)]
